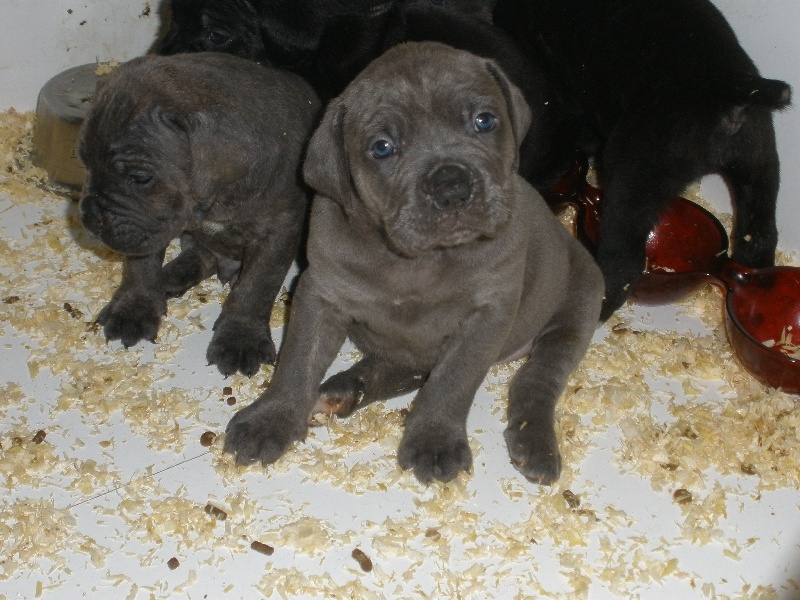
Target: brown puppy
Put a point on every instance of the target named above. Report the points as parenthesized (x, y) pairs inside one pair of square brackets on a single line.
[(206, 147), (437, 259)]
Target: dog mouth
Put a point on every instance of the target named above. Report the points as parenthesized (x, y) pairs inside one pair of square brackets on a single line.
[(123, 231), (415, 231)]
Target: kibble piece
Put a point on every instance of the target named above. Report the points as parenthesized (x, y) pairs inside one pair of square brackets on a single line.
[(231, 400), (227, 390), (173, 563), (38, 438), (362, 559), (433, 534), (682, 496), (217, 513), (262, 548), (207, 438)]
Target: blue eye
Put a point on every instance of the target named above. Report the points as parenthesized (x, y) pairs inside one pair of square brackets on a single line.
[(382, 149), (485, 121)]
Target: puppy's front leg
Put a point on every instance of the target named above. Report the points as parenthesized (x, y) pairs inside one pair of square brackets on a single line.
[(134, 312), (539, 383), (264, 430), (242, 339), (435, 443)]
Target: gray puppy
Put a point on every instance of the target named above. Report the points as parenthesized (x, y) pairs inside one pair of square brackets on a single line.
[(205, 147), (437, 259)]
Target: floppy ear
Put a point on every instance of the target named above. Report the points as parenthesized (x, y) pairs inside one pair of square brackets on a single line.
[(326, 168), (517, 106)]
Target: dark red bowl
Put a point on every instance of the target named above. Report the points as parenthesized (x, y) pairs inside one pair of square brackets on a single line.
[(685, 250), (762, 306)]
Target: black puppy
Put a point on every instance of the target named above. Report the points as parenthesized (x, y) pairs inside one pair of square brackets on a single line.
[(205, 147), (666, 95), (328, 42)]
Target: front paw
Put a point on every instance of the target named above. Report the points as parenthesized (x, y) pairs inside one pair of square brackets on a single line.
[(434, 452), (132, 316), (240, 345), (534, 451), (262, 432)]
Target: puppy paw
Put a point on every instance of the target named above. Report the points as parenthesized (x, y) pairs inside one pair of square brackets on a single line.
[(177, 278), (434, 452), (534, 452), (340, 395), (262, 432), (132, 317), (240, 346)]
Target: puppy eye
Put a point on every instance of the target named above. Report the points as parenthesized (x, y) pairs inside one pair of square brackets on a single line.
[(140, 178), (485, 121), (382, 149), (219, 39)]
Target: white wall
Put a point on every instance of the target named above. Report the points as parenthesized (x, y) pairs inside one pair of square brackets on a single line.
[(43, 37)]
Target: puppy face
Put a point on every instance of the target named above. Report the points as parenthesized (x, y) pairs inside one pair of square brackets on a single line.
[(138, 173), (429, 167), (230, 26)]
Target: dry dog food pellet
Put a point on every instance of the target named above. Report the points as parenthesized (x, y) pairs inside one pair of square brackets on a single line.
[(433, 534), (217, 513), (231, 400), (173, 563), (682, 496), (262, 548), (362, 559), (207, 438), (227, 391), (38, 438)]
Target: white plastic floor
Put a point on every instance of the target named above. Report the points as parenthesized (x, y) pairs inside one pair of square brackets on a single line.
[(681, 479)]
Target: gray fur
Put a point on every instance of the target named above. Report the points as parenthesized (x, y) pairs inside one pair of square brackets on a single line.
[(205, 147), (437, 262)]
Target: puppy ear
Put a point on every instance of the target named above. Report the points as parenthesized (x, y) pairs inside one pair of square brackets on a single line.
[(518, 108), (325, 168)]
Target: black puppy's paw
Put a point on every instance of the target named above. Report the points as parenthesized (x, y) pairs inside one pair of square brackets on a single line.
[(132, 316), (435, 452), (534, 452), (262, 432), (239, 345)]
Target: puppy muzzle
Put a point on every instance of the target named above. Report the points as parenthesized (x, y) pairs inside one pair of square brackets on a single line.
[(448, 186), (121, 230)]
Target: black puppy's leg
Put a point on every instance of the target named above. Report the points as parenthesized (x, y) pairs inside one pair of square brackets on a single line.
[(134, 312), (190, 267), (242, 339), (639, 180), (264, 430), (536, 387), (369, 380), (753, 175)]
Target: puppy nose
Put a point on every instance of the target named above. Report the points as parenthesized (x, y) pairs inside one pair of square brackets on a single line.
[(449, 186), (90, 213)]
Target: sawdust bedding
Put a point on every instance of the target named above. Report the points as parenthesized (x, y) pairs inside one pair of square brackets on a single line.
[(695, 439)]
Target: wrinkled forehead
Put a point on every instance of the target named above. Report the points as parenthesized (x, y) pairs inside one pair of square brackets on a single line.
[(442, 89)]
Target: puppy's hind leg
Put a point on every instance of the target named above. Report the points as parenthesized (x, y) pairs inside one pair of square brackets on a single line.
[(753, 174), (535, 389), (369, 380), (190, 267)]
